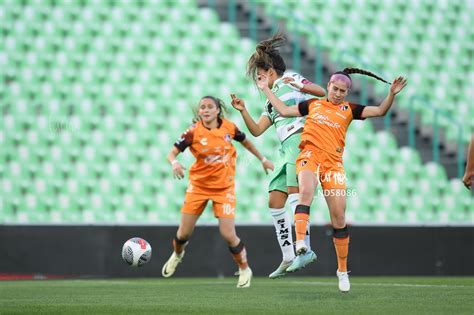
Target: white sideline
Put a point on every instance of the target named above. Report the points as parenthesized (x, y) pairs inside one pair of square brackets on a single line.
[(406, 285)]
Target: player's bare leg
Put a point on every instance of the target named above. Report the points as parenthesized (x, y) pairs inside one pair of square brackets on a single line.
[(185, 230), (337, 209), (237, 249)]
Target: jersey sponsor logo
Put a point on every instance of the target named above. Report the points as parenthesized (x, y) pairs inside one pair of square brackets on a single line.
[(216, 158), (324, 120), (203, 141)]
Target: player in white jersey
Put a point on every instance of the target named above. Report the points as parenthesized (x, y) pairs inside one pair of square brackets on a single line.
[(291, 88)]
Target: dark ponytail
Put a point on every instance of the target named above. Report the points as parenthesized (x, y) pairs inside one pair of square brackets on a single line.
[(348, 71), (267, 56)]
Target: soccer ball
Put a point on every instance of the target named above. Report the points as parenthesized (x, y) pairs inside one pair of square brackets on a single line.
[(136, 252)]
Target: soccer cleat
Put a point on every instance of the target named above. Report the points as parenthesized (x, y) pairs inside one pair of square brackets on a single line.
[(344, 284), (301, 261), (281, 270), (301, 247), (170, 266), (245, 275)]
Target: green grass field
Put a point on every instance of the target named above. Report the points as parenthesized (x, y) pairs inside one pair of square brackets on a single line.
[(291, 295)]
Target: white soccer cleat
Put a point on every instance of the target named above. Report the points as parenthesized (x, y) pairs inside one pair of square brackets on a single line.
[(170, 266), (245, 275), (281, 270), (301, 247), (344, 284)]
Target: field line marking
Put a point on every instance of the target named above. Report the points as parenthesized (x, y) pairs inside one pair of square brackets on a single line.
[(408, 285)]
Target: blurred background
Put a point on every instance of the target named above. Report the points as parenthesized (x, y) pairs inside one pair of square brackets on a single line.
[(93, 95)]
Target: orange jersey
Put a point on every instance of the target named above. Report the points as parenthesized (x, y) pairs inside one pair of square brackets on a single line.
[(215, 155), (326, 124)]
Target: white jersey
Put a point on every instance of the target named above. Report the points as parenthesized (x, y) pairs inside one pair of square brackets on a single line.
[(286, 126)]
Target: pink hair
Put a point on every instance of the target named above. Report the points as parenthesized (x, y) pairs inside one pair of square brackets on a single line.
[(341, 77)]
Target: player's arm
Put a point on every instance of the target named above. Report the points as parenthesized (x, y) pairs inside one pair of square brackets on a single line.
[(266, 164), (240, 137), (377, 111), (285, 111), (255, 128), (178, 169), (308, 87), (179, 146), (469, 173)]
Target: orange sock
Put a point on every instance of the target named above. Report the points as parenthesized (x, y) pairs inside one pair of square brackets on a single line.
[(240, 255), (301, 225), (179, 245), (342, 250)]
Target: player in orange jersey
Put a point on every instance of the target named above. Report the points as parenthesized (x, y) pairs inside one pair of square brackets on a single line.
[(283, 187), (320, 159), (211, 177)]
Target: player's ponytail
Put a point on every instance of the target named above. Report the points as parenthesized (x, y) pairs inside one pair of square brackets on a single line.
[(363, 72), (219, 103), (267, 56)]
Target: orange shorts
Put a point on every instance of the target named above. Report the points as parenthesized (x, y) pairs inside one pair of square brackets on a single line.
[(223, 201), (328, 168)]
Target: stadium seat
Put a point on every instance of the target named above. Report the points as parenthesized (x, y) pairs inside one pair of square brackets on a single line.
[(99, 91)]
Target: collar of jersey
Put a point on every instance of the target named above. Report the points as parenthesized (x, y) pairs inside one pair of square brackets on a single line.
[(219, 124)]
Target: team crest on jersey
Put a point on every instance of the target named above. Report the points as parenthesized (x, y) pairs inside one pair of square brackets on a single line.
[(343, 107), (303, 163), (227, 137)]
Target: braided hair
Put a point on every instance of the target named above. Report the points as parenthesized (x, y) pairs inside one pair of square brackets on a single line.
[(217, 101), (267, 56), (364, 72), (347, 71)]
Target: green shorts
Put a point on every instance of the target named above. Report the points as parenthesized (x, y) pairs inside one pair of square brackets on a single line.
[(285, 168)]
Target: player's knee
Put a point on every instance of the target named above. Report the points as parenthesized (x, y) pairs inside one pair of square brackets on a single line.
[(339, 220), (306, 196), (229, 236)]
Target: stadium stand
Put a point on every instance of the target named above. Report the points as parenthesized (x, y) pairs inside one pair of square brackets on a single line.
[(94, 94), (427, 41)]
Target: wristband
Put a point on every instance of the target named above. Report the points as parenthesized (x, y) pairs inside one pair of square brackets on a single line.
[(263, 160), (174, 162), (298, 85)]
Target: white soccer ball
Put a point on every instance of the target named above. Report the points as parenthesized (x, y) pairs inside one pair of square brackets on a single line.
[(136, 252)]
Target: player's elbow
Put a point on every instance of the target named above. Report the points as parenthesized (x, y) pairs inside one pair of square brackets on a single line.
[(255, 132)]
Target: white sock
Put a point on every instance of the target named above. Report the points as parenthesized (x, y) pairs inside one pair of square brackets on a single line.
[(282, 223), (293, 202)]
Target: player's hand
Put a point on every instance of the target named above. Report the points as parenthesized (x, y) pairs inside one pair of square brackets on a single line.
[(467, 179), (291, 81), (237, 103), (262, 82), (267, 165), (178, 170), (397, 85)]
